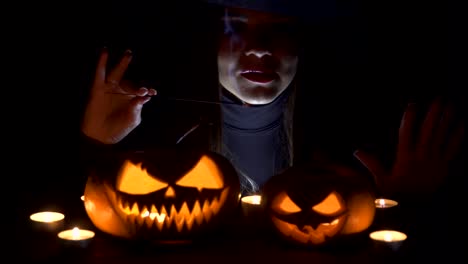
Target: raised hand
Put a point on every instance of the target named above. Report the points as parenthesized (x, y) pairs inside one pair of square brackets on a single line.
[(423, 154), (114, 108)]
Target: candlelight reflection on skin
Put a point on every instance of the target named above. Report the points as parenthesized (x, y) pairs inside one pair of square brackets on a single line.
[(385, 203), (47, 217)]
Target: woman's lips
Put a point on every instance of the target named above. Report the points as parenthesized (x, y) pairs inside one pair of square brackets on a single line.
[(259, 76)]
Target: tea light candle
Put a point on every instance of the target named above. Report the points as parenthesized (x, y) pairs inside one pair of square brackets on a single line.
[(50, 221), (390, 238), (251, 205), (76, 237), (385, 203), (252, 199)]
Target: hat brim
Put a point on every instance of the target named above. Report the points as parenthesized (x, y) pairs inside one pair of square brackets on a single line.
[(311, 10)]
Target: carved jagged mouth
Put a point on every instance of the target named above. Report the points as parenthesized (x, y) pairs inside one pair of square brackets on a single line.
[(307, 234), (163, 217)]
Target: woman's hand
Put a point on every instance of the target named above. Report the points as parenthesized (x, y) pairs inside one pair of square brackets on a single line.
[(423, 155), (114, 108)]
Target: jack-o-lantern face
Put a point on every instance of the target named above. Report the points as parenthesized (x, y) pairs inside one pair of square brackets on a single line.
[(313, 208), (162, 195)]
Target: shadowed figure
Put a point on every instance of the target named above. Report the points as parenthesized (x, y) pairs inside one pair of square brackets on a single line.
[(259, 67)]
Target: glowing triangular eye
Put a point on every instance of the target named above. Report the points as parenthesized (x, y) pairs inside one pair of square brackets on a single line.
[(284, 205), (133, 179), (205, 174), (331, 205)]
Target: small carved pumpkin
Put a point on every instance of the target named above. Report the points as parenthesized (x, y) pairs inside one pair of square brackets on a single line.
[(314, 207), (161, 195)]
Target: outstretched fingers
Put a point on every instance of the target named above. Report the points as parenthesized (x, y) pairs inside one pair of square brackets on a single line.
[(100, 75), (429, 126), (116, 75), (373, 165), (455, 142), (406, 131)]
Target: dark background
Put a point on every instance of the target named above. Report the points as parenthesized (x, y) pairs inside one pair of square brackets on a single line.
[(389, 53)]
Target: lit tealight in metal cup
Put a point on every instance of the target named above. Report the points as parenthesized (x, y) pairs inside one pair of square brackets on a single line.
[(383, 203), (252, 213), (47, 221), (388, 239), (251, 205), (387, 215), (76, 238)]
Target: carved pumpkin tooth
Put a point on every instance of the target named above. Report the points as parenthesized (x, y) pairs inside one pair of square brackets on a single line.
[(153, 209), (214, 206), (187, 216), (126, 205), (218, 203), (197, 212), (144, 212), (134, 210), (206, 211), (140, 220), (307, 229), (159, 221), (176, 218), (148, 221), (170, 215), (301, 236), (179, 222)]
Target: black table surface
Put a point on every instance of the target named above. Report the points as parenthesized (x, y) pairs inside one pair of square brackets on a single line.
[(432, 234)]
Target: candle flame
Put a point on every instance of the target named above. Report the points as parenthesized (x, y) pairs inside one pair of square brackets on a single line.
[(388, 237), (76, 233), (382, 202)]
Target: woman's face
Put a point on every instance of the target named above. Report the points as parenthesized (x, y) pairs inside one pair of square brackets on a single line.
[(257, 56)]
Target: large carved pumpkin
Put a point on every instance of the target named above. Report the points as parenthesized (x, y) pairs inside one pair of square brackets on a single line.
[(314, 207), (162, 194)]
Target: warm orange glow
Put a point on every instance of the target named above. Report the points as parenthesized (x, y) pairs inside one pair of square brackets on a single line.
[(170, 192), (47, 217), (139, 202), (167, 216), (76, 234), (205, 174), (252, 199), (284, 205), (307, 234), (361, 213), (331, 205), (388, 236), (133, 179)]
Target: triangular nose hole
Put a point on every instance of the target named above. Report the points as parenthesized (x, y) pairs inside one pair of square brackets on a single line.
[(170, 192)]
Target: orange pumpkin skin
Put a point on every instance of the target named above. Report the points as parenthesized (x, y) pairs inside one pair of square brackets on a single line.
[(314, 207), (161, 195)]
